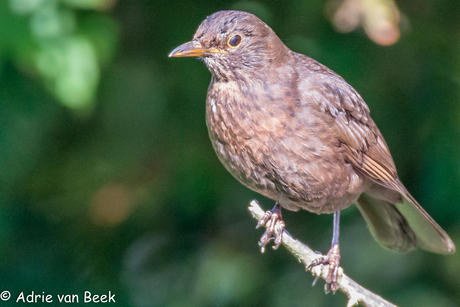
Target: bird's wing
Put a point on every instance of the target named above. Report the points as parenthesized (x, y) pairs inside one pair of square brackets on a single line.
[(364, 145), (367, 151)]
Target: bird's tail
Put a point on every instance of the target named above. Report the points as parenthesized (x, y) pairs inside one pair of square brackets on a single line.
[(403, 225)]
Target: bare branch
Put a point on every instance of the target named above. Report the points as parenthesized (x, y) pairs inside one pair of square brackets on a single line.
[(355, 292)]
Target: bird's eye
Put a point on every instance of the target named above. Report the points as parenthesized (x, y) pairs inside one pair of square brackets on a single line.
[(234, 41)]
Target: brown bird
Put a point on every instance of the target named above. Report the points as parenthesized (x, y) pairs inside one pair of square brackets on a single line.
[(293, 130)]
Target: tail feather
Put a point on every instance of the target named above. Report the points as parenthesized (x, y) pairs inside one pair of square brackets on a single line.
[(404, 225), (386, 224)]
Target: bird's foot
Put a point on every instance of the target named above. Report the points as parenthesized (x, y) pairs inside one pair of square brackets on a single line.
[(275, 227), (333, 259)]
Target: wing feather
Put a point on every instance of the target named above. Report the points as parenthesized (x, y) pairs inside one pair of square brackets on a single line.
[(394, 224), (364, 145)]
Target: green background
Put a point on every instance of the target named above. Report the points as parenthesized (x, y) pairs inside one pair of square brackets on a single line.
[(108, 181)]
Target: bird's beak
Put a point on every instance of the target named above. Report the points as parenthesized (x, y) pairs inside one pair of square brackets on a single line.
[(189, 50)]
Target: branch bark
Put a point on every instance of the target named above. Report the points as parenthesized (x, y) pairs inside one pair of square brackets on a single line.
[(355, 292)]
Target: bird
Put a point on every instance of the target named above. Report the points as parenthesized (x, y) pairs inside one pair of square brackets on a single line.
[(293, 130)]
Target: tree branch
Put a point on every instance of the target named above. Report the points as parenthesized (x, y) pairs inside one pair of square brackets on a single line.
[(355, 292)]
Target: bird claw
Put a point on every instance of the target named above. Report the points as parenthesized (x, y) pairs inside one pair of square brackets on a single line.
[(333, 260), (275, 228)]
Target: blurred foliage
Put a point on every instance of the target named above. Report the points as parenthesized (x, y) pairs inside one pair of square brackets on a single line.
[(379, 18), (108, 181)]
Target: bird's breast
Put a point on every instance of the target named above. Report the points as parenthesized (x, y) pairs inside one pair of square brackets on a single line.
[(245, 117), (276, 147), (240, 130)]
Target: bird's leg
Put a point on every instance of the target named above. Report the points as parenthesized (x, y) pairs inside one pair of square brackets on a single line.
[(275, 227), (332, 258)]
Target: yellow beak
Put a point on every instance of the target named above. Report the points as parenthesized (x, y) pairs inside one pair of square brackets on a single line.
[(189, 50)]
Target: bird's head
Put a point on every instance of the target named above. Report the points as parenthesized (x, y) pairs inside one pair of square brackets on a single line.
[(233, 44)]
